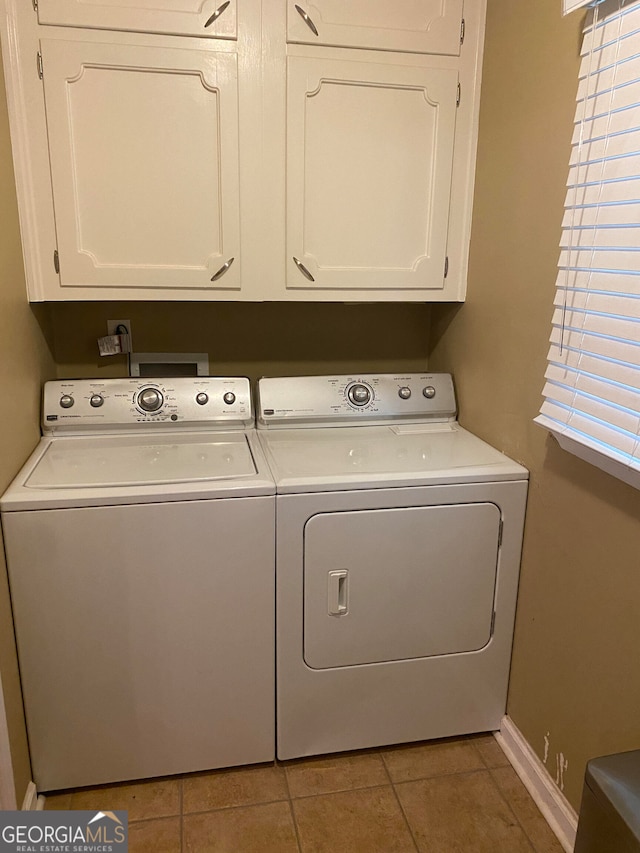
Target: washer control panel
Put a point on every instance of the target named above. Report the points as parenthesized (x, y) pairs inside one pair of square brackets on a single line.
[(114, 405), (348, 400)]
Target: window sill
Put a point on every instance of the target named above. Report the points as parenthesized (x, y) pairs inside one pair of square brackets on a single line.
[(589, 453)]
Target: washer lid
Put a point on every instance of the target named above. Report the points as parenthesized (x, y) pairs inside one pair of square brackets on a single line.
[(75, 463), (362, 457), (88, 471)]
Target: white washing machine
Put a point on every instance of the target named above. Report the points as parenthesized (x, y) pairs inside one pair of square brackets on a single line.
[(398, 542), (140, 545)]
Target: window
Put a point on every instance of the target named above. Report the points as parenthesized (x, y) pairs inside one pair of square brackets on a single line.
[(592, 390)]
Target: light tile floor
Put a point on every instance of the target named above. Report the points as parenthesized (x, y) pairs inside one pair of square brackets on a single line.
[(458, 795)]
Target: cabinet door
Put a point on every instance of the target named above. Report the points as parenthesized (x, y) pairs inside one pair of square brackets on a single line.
[(416, 26), (213, 18), (369, 160), (144, 161)]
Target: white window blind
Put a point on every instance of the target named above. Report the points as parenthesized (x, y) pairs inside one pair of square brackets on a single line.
[(592, 390)]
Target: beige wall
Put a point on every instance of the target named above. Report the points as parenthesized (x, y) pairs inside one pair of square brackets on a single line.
[(25, 360), (250, 339), (575, 678)]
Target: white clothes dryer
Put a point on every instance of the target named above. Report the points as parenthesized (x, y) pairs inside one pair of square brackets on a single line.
[(140, 546), (398, 543)]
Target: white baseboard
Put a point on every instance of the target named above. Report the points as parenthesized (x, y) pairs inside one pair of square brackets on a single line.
[(7, 786), (553, 804), (30, 802)]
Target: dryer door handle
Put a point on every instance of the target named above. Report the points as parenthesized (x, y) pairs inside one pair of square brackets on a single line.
[(338, 592)]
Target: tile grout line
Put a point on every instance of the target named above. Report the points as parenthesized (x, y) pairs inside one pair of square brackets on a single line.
[(395, 794), (291, 810), (247, 805), (406, 819), (504, 798), (340, 791), (480, 756), (384, 764), (488, 766), (440, 776), (149, 819)]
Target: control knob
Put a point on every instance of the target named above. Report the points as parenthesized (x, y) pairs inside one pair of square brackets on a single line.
[(202, 398), (150, 399), (429, 392), (66, 401), (404, 393), (96, 400), (359, 394), (229, 398)]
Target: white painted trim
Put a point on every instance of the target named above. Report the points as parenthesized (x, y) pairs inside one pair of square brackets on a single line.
[(572, 5), (30, 802), (553, 804), (7, 786)]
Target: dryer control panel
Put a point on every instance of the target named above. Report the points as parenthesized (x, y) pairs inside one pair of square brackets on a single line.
[(356, 398), (115, 405)]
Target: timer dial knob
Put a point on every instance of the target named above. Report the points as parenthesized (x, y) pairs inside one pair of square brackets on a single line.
[(150, 399), (359, 394)]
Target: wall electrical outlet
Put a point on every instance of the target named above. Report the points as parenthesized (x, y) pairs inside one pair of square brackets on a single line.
[(112, 326)]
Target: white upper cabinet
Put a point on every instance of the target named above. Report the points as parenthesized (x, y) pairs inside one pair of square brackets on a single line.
[(369, 159), (414, 26), (212, 150), (210, 18), (143, 144)]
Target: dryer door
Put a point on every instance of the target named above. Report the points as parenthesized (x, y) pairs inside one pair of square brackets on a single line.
[(392, 584)]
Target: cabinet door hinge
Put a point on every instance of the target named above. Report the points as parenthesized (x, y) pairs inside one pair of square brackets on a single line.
[(446, 266), (56, 261), (39, 65), (461, 29), (458, 96)]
